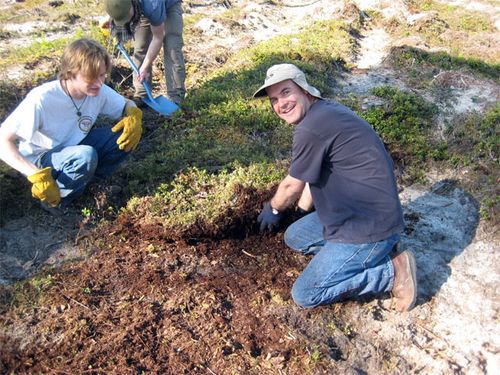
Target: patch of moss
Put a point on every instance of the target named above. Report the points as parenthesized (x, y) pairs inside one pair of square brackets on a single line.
[(475, 137), (34, 10), (490, 207), (200, 195), (27, 293), (34, 52), (20, 10), (322, 44), (457, 17), (473, 146), (404, 123), (50, 50), (413, 59)]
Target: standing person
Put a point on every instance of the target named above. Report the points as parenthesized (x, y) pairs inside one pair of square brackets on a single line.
[(152, 24), (59, 150), (341, 168)]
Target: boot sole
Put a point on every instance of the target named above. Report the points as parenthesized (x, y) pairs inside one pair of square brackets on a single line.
[(410, 262)]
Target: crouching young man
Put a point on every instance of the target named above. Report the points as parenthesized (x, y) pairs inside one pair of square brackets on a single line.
[(59, 150), (341, 168)]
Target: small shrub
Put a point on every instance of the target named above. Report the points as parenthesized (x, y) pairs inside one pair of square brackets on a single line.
[(408, 58), (475, 136), (403, 122)]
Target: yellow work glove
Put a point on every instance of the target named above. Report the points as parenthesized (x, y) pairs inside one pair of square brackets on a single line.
[(44, 187), (132, 129)]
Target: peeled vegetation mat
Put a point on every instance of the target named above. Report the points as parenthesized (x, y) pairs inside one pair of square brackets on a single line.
[(199, 204)]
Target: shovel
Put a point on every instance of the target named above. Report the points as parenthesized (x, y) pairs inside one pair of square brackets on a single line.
[(160, 104)]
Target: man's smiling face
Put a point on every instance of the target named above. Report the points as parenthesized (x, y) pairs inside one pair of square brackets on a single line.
[(289, 101)]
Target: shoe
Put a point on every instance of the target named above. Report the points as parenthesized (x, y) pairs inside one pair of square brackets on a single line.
[(116, 189), (104, 194), (139, 102), (404, 289), (56, 211), (112, 190), (177, 101)]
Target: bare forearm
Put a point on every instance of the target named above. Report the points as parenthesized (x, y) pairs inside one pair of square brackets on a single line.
[(306, 201), (154, 48), (289, 190), (11, 155)]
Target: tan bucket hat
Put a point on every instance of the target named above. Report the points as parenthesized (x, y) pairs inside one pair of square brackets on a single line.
[(281, 72)]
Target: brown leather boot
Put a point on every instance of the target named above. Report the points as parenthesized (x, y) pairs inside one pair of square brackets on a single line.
[(405, 281)]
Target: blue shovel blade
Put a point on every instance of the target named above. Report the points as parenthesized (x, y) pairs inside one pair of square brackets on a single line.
[(161, 105)]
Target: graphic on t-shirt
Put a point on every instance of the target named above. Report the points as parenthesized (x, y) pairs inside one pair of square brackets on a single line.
[(85, 123)]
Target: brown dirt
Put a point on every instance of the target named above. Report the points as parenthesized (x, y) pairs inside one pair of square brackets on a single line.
[(176, 303)]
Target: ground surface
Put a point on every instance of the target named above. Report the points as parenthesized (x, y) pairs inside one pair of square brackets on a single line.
[(217, 301)]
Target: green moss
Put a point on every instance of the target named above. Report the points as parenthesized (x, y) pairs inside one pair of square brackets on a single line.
[(34, 51), (474, 143), (404, 123), (28, 293), (48, 49), (458, 18), (489, 208), (455, 15), (472, 23), (322, 43), (20, 11), (43, 11), (476, 138), (197, 194), (414, 59)]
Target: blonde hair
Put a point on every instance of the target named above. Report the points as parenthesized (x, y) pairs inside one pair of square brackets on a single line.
[(83, 56)]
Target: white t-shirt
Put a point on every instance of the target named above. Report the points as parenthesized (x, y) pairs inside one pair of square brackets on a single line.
[(47, 118)]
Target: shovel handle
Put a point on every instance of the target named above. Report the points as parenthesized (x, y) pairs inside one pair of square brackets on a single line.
[(135, 69)]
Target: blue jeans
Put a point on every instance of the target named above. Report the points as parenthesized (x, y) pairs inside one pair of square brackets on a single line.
[(338, 271), (73, 167)]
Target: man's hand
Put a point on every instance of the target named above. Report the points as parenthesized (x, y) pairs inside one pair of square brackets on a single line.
[(143, 75), (44, 187), (268, 219), (132, 129)]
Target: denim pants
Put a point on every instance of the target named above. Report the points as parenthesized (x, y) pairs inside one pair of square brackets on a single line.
[(338, 271), (173, 57), (73, 167)]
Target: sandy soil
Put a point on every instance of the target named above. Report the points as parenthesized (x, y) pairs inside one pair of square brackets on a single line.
[(238, 316)]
